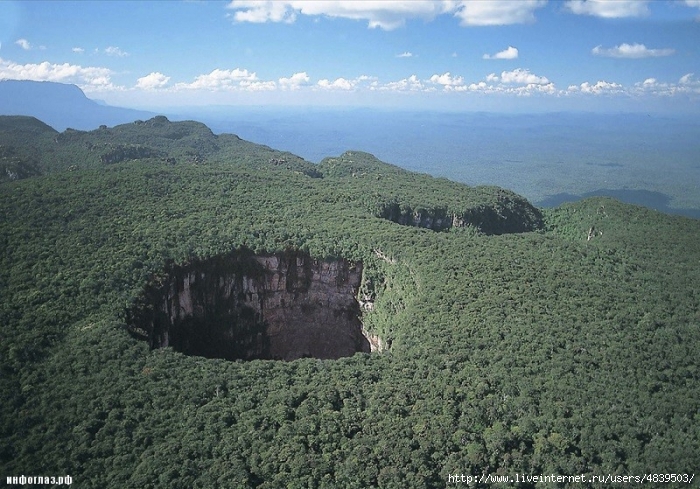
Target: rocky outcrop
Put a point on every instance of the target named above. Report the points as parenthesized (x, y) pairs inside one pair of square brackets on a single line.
[(506, 214), (245, 306)]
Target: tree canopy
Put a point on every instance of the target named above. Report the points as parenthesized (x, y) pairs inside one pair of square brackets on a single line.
[(521, 340)]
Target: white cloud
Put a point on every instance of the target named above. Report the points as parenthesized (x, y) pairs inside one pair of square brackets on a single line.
[(687, 78), (609, 9), (221, 80), (256, 11), (631, 51), (405, 54), (412, 84), (257, 85), (481, 87), (509, 53), (648, 87), (360, 82), (24, 44), (152, 81), (520, 76), (115, 51), (338, 84), (685, 86), (295, 81), (388, 15), (601, 87), (447, 80), (88, 77), (78, 50), (532, 89), (496, 85), (378, 13), (497, 12)]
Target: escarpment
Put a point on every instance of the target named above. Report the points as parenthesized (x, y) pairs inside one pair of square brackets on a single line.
[(507, 214), (438, 204), (244, 306)]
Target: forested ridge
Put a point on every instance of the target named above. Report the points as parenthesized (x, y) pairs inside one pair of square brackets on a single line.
[(521, 340)]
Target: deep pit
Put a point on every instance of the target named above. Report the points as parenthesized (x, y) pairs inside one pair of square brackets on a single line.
[(243, 306)]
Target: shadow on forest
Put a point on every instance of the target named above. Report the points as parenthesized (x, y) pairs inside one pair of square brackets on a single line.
[(647, 198)]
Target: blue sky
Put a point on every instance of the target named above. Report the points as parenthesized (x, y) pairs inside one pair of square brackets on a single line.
[(519, 55)]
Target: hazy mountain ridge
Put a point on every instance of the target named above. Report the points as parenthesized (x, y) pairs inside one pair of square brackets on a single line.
[(61, 105), (549, 158)]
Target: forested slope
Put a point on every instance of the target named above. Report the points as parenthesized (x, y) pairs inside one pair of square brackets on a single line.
[(519, 342)]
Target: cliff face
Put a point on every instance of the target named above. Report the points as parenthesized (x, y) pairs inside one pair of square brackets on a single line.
[(246, 306), (508, 214)]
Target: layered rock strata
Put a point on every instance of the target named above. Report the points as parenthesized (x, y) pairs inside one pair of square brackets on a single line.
[(245, 306)]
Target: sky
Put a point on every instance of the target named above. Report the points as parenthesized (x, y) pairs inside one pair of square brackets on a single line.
[(486, 55)]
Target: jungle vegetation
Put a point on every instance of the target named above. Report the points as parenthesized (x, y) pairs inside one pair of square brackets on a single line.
[(522, 340)]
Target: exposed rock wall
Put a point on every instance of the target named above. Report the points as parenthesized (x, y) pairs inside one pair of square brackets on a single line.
[(245, 306), (509, 214)]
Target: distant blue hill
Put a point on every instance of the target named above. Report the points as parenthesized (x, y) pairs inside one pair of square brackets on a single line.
[(550, 158), (61, 106)]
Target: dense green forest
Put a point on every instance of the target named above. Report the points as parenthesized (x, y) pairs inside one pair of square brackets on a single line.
[(517, 340)]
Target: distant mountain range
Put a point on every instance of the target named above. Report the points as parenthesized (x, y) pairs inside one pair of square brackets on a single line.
[(61, 105)]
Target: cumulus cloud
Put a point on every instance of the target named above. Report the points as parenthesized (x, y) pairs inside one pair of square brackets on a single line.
[(648, 87), (78, 50), (24, 44), (494, 85), (631, 51), (601, 87), (360, 82), (651, 86), (337, 84), (447, 80), (378, 14), (518, 76), (609, 9), (405, 54), (220, 79), (152, 81), (257, 85), (497, 12), (262, 11), (294, 82), (388, 15), (532, 89), (87, 77), (115, 51), (509, 53), (411, 84)]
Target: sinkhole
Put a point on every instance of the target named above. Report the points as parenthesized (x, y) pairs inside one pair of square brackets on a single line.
[(246, 306)]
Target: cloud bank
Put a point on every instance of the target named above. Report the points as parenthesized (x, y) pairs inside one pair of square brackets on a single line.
[(89, 78), (389, 15), (631, 51), (609, 9)]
